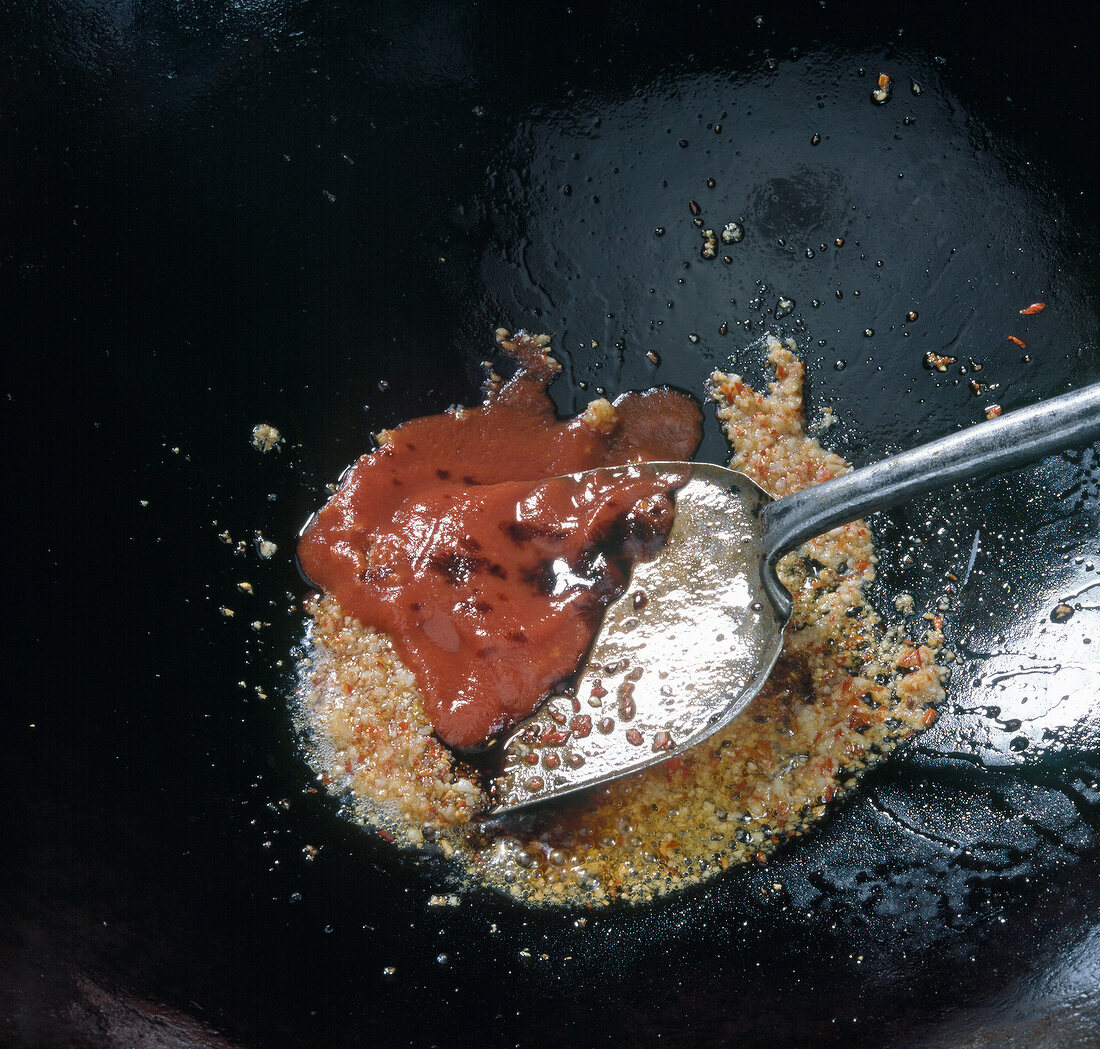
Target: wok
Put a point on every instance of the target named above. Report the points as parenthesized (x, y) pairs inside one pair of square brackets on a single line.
[(315, 216)]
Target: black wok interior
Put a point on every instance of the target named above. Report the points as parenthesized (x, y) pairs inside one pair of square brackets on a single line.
[(315, 215)]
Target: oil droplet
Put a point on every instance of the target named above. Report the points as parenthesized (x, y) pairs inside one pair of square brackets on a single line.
[(840, 366), (587, 880)]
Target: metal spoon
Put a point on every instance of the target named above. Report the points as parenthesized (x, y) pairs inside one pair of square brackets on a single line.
[(700, 627)]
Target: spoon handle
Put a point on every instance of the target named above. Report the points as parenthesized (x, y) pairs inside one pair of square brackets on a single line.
[(996, 446)]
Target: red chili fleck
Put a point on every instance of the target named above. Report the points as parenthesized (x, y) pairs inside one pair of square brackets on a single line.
[(910, 659), (993, 411), (695, 209), (581, 725), (859, 719), (930, 717), (1035, 307), (1019, 342), (385, 835), (634, 736), (662, 741), (554, 737)]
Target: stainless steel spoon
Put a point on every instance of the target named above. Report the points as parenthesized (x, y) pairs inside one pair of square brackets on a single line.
[(699, 628)]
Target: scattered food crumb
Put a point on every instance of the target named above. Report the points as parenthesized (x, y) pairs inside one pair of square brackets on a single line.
[(265, 437), (732, 233), (938, 361), (904, 603)]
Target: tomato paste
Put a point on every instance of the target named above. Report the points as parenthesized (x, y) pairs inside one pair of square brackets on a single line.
[(460, 539)]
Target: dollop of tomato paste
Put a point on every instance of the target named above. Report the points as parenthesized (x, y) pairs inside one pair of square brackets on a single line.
[(459, 537)]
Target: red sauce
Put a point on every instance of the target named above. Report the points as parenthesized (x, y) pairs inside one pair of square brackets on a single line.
[(489, 579)]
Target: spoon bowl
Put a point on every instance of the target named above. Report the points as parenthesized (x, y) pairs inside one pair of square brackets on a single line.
[(698, 630)]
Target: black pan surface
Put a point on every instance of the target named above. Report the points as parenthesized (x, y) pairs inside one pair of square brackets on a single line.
[(315, 215)]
